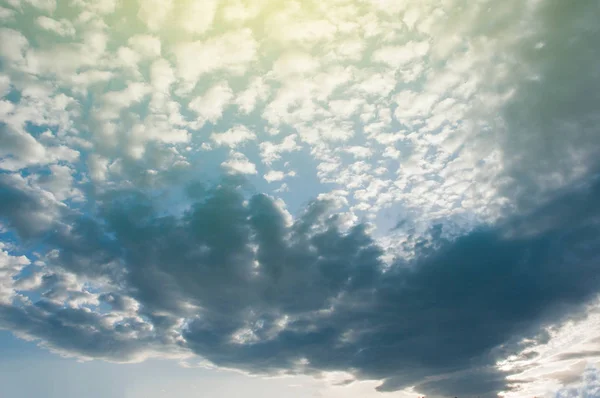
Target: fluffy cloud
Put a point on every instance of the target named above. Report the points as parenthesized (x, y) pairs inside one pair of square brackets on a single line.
[(211, 104), (216, 54), (233, 137), (10, 267), (274, 175), (239, 163)]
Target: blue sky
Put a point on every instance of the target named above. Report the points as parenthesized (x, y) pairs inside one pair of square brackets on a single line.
[(302, 198)]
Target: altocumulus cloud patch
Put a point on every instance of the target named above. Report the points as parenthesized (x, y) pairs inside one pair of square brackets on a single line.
[(403, 191)]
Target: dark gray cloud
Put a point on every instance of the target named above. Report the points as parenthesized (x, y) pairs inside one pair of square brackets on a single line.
[(257, 293)]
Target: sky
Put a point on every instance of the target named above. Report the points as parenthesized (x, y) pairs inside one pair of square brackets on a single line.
[(265, 198)]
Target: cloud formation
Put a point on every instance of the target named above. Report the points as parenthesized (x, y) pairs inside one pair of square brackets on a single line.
[(238, 282), (405, 191)]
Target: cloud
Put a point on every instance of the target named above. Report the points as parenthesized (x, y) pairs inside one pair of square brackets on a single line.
[(44, 5), (212, 103), (26, 209), (154, 13), (257, 91), (239, 163), (588, 388), (146, 45), (308, 296), (10, 267), (19, 149), (15, 45), (61, 28), (162, 75), (274, 175), (271, 152), (98, 167), (197, 16), (6, 14), (398, 56), (233, 137), (60, 183), (67, 330), (291, 64), (453, 98), (216, 54), (466, 123)]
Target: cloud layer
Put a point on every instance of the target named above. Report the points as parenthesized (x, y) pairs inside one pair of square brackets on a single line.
[(404, 191), (235, 280)]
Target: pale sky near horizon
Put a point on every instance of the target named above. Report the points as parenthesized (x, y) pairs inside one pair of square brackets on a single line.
[(261, 198)]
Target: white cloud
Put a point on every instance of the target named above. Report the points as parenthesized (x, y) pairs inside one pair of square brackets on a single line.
[(10, 267), (196, 17), (44, 5), (412, 105), (212, 103), (19, 150), (146, 45), (238, 163), (326, 130), (101, 7), (231, 52), (359, 151), (397, 56), (271, 152), (115, 101), (128, 59), (238, 11), (98, 167), (589, 387), (6, 14), (274, 175), (82, 81), (257, 91), (4, 85), (288, 28), (345, 108), (377, 84), (233, 137), (557, 364), (60, 183), (162, 75), (157, 127), (63, 60), (294, 63), (14, 45), (61, 28), (154, 13), (391, 152)]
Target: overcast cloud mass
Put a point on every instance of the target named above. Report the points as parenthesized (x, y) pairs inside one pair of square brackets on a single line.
[(402, 191)]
